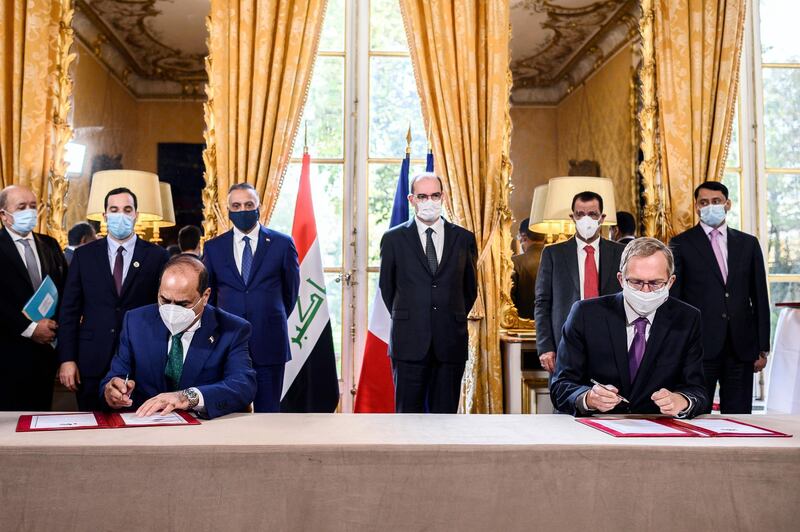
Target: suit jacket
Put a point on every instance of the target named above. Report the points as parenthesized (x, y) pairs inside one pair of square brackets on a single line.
[(740, 306), (523, 280), (217, 362), (68, 255), (91, 310), (428, 310), (16, 352), (268, 297), (625, 240), (558, 286), (594, 346)]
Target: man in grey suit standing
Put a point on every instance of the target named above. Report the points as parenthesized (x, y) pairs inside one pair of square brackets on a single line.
[(583, 267)]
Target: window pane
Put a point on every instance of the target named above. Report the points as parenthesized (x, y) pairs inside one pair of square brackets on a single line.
[(327, 192), (332, 38), (779, 43), (334, 293), (393, 106), (733, 147), (732, 181), (382, 186), (783, 210), (324, 111), (782, 117), (386, 29), (781, 293), (372, 287)]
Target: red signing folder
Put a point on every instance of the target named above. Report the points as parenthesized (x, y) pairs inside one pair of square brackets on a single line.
[(660, 427), (100, 420)]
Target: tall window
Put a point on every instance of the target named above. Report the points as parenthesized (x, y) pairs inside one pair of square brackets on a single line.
[(777, 60), (361, 102)]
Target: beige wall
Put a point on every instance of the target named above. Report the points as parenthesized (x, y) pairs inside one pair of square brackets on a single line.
[(109, 120), (594, 122)]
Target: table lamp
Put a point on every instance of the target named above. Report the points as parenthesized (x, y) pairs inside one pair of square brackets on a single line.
[(561, 190), (536, 221), (143, 184), (167, 214)]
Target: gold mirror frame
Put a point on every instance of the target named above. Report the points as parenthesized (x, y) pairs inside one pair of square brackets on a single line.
[(653, 217), (58, 185)]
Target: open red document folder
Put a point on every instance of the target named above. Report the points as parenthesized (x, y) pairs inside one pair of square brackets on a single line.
[(665, 427), (100, 420)]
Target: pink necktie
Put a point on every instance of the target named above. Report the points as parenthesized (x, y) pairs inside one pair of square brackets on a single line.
[(716, 246)]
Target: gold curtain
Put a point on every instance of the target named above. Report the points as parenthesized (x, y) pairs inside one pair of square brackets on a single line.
[(261, 56), (29, 39), (460, 53), (698, 46)]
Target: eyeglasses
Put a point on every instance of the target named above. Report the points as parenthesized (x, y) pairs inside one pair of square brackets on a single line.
[(436, 196), (639, 285)]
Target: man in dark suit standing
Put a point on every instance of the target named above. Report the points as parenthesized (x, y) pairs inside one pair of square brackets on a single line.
[(81, 233), (583, 267), (526, 265), (254, 274), (207, 367), (625, 230), (721, 272), (428, 281), (106, 278), (641, 345), (27, 358)]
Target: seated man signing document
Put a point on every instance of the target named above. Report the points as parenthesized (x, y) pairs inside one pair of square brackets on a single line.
[(182, 354), (636, 352)]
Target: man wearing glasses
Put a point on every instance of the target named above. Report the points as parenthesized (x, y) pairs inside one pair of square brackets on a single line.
[(721, 272), (428, 282), (583, 267), (637, 352)]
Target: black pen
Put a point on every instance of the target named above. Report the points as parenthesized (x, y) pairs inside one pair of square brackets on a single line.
[(606, 388)]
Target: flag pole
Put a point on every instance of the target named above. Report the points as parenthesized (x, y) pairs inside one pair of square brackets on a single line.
[(408, 139)]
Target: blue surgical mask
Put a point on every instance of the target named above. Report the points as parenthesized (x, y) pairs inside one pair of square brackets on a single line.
[(24, 221), (712, 215), (244, 220), (120, 225)]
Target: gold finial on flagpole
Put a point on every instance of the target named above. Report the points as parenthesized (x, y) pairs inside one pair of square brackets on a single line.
[(408, 139), (305, 138)]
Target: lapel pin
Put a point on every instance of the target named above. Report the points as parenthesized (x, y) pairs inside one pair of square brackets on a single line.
[(211, 339), (267, 239), (136, 264)]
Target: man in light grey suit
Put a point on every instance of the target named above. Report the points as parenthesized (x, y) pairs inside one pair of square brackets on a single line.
[(583, 267)]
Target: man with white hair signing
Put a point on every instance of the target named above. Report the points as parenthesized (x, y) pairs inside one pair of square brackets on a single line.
[(636, 352)]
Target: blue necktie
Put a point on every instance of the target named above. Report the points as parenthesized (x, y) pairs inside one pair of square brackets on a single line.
[(247, 259)]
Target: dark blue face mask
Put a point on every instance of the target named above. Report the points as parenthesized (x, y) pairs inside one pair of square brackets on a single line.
[(244, 220)]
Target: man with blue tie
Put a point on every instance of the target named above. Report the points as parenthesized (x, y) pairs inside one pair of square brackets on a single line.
[(182, 354), (106, 278), (254, 274)]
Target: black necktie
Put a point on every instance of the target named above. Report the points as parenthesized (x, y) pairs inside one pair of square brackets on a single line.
[(430, 251)]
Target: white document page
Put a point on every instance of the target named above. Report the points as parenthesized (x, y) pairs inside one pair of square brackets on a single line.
[(723, 426), (63, 421), (637, 426), (172, 418)]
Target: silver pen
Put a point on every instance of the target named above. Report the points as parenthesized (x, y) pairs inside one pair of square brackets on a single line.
[(606, 388)]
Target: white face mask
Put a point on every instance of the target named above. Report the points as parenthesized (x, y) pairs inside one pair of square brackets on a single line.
[(644, 303), (587, 227), (177, 318), (429, 210)]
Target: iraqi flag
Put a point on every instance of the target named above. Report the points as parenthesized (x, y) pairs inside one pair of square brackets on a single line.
[(375, 392), (310, 383)]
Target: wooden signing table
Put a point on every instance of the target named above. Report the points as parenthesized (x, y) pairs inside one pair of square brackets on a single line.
[(395, 472)]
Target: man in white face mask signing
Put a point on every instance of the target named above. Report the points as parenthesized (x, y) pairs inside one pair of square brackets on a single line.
[(182, 354), (637, 352), (721, 272), (583, 267), (428, 283)]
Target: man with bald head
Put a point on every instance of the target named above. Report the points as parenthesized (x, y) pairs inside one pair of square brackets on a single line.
[(27, 358), (182, 353)]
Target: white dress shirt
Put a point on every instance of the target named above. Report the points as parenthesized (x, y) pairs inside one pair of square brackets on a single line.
[(437, 236), (238, 244), (722, 238), (28, 332), (127, 255), (186, 341), (582, 260)]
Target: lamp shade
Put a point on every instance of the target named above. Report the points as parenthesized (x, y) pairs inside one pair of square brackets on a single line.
[(168, 210), (143, 184), (536, 221), (561, 190)]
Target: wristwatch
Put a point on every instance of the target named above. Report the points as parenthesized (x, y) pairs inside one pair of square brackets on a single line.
[(192, 396)]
